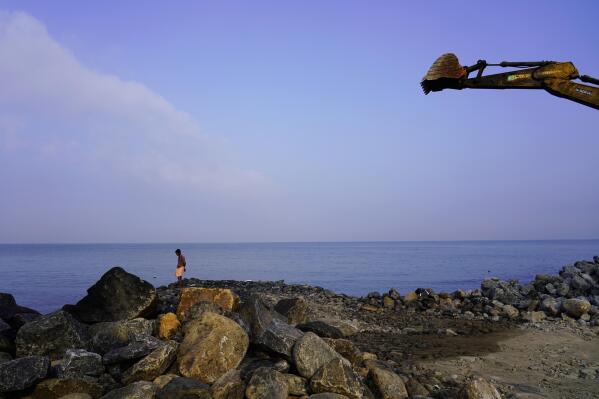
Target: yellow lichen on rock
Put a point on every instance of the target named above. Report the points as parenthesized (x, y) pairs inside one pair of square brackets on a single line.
[(169, 324), (225, 298)]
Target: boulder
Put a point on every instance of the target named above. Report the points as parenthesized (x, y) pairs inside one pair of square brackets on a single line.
[(296, 385), (388, 302), (20, 319), (80, 363), (415, 388), (327, 395), (294, 309), (77, 396), (337, 376), (223, 297), (533, 317), (580, 284), (279, 337), (51, 335), (257, 315), (164, 379), (135, 350), (479, 389), (118, 295), (330, 328), (111, 335), (137, 390), (22, 373), (575, 307), (8, 306), (228, 386), (196, 311), (5, 357), (184, 388), (267, 384), (510, 312), (347, 349), (310, 353), (153, 365), (387, 384), (212, 346), (55, 388), (410, 297), (251, 364), (168, 325), (550, 306)]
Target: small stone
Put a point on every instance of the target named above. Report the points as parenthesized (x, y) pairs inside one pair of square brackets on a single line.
[(267, 384), (410, 297), (310, 353), (510, 312), (370, 308), (153, 365), (388, 302), (533, 317), (168, 326), (22, 373)]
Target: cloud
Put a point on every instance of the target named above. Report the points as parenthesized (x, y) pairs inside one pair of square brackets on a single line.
[(54, 109)]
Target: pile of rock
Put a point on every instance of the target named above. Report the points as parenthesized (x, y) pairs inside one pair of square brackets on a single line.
[(573, 294), (124, 341)]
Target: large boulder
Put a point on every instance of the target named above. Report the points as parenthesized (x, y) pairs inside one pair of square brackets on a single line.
[(115, 334), (212, 346), (8, 306), (118, 295), (575, 307), (135, 350), (337, 376), (310, 353), (387, 384), (267, 384), (153, 365), (228, 386), (55, 388), (550, 306), (184, 388), (22, 373), (257, 315), (330, 328), (196, 311), (347, 349), (80, 363), (51, 335), (279, 337), (137, 390), (479, 389), (222, 297), (294, 309)]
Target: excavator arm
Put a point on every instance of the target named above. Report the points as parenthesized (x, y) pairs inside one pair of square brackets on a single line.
[(554, 77)]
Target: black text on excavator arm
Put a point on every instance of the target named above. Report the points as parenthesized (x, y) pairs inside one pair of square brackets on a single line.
[(554, 77)]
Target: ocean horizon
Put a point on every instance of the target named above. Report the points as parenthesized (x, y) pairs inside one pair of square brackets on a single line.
[(46, 276)]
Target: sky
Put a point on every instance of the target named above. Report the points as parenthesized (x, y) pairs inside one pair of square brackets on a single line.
[(238, 121)]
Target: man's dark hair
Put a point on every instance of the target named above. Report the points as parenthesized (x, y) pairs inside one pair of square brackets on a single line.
[(177, 251)]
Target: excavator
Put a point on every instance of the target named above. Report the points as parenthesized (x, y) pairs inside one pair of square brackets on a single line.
[(554, 77)]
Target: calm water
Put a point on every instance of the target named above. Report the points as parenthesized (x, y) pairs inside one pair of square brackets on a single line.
[(47, 276)]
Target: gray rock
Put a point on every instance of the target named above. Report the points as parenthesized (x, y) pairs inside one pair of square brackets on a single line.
[(337, 376), (8, 306), (198, 309), (387, 384), (184, 388), (51, 335), (134, 350), (80, 363), (347, 349), (479, 389), (294, 309), (257, 315), (579, 283), (563, 289), (153, 365), (5, 357), (118, 295), (22, 373), (250, 364), (111, 335), (279, 337), (267, 384), (20, 319), (296, 385), (327, 395), (550, 306), (310, 353), (596, 259), (59, 387), (137, 390)]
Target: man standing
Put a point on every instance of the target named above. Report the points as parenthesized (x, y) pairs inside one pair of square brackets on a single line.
[(180, 266)]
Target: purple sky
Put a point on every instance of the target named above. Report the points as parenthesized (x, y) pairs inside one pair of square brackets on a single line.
[(280, 121)]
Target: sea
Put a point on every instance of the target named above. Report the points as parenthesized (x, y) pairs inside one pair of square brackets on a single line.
[(47, 276)]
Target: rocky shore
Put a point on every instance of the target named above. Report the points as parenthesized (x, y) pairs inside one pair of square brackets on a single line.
[(271, 340)]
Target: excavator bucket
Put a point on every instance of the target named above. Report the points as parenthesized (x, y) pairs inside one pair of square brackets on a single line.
[(443, 74)]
